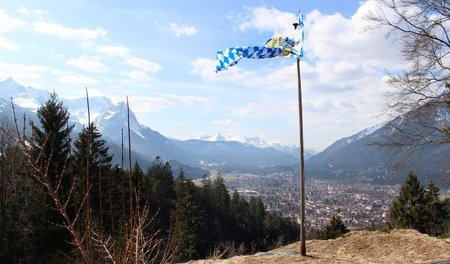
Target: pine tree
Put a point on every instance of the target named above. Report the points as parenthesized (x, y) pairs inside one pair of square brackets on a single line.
[(408, 210), (189, 228), (90, 149), (435, 209), (50, 151), (51, 140), (158, 192), (335, 228)]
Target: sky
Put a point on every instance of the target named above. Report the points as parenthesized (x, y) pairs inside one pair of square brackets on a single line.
[(162, 55)]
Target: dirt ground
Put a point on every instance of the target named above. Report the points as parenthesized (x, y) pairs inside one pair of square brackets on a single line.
[(397, 246)]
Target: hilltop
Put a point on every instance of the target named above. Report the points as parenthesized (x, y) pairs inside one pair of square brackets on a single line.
[(396, 246)]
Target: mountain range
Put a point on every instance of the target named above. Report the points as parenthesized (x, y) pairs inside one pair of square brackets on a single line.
[(111, 118), (360, 157), (387, 152)]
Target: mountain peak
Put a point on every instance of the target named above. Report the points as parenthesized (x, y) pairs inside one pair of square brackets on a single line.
[(215, 137), (9, 80)]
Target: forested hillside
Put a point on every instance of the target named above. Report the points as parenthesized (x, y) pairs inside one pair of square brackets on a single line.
[(62, 201)]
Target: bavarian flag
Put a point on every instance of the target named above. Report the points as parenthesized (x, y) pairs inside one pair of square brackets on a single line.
[(274, 47)]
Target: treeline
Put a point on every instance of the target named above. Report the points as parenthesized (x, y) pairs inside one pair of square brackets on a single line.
[(63, 202)]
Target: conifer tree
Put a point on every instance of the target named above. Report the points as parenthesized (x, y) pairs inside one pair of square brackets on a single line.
[(408, 210), (188, 239), (90, 149), (256, 216), (51, 140), (335, 228), (435, 209), (159, 193), (50, 151)]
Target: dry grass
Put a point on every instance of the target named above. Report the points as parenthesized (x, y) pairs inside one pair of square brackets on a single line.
[(398, 246)]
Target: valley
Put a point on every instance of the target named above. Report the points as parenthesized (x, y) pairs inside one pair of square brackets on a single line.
[(360, 205)]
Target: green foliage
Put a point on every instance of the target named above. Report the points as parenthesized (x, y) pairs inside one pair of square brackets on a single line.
[(91, 165), (188, 238), (419, 208), (335, 228), (51, 148), (158, 192), (408, 210), (188, 219), (51, 139)]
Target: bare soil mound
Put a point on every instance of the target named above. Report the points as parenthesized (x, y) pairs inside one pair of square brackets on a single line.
[(397, 246)]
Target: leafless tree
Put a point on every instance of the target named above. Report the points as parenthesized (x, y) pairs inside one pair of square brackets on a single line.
[(421, 93)]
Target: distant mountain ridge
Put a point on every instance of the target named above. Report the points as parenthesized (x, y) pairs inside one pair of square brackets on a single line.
[(353, 158), (372, 156), (261, 143), (111, 119)]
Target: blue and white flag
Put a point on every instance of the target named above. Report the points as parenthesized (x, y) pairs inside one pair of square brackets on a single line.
[(231, 56), (274, 47)]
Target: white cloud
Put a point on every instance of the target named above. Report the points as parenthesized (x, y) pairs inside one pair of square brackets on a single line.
[(182, 29), (226, 122), (37, 12), (68, 33), (343, 74), (278, 78), (268, 19), (149, 104), (205, 68), (153, 104), (138, 78), (334, 38), (22, 73), (230, 128), (8, 23), (89, 64), (73, 78), (114, 51), (7, 44), (143, 65), (267, 107)]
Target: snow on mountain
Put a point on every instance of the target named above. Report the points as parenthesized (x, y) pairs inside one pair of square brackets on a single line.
[(78, 108), (216, 137), (111, 119), (114, 118), (364, 133), (25, 97), (258, 142)]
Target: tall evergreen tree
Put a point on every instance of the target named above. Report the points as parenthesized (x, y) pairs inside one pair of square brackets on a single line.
[(256, 214), (188, 239), (91, 159), (50, 150), (408, 210), (435, 209), (50, 140), (159, 193)]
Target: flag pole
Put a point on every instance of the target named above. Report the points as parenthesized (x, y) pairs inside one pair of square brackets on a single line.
[(301, 165)]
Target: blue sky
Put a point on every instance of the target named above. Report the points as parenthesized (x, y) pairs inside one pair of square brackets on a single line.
[(162, 55)]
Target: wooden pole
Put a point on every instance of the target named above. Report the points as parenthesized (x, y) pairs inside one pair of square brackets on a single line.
[(88, 195), (302, 165), (130, 183)]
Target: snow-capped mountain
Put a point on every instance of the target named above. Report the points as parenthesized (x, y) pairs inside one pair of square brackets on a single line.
[(258, 142), (350, 158), (25, 97), (376, 154), (111, 119)]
